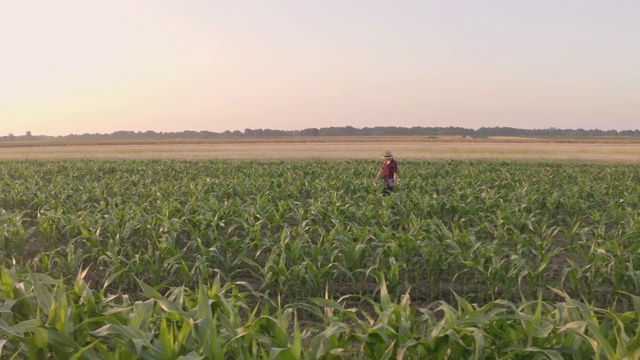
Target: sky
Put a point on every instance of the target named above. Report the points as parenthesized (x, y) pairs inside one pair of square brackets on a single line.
[(100, 66)]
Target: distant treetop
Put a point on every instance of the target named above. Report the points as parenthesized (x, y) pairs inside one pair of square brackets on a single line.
[(332, 131)]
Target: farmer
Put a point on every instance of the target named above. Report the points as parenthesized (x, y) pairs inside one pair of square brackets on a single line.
[(389, 172)]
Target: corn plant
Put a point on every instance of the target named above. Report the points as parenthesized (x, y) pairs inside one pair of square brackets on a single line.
[(454, 234)]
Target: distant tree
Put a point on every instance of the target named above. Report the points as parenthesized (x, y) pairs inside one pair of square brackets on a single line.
[(348, 131), (331, 131), (630, 133)]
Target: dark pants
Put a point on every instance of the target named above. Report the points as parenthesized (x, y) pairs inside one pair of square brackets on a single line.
[(387, 187)]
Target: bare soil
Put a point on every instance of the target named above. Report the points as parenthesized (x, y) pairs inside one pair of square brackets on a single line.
[(624, 150)]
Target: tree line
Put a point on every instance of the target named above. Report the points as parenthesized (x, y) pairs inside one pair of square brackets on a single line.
[(331, 131)]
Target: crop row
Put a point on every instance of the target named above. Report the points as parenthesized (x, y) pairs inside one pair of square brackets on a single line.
[(452, 232), (486, 230), (43, 318)]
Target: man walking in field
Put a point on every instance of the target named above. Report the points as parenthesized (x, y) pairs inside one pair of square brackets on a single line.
[(389, 172)]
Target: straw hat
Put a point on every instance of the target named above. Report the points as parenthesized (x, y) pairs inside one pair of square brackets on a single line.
[(387, 154)]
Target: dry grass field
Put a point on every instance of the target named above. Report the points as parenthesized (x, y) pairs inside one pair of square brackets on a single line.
[(626, 150)]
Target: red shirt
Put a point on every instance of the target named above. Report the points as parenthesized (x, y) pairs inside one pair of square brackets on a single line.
[(389, 168)]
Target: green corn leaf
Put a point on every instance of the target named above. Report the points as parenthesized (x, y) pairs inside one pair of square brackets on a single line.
[(327, 303), (60, 312), (184, 333), (9, 284), (282, 354), (633, 347), (143, 314), (167, 339), (191, 356), (385, 299), (21, 328), (2, 343), (112, 277), (165, 304), (43, 295), (106, 330), (86, 352), (52, 337), (600, 342)]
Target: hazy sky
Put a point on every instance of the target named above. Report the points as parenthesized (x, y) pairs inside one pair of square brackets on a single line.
[(90, 66)]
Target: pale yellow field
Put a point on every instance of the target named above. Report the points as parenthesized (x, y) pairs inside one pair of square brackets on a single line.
[(442, 148)]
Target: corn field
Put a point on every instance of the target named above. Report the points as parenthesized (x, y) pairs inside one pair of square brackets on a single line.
[(176, 259)]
